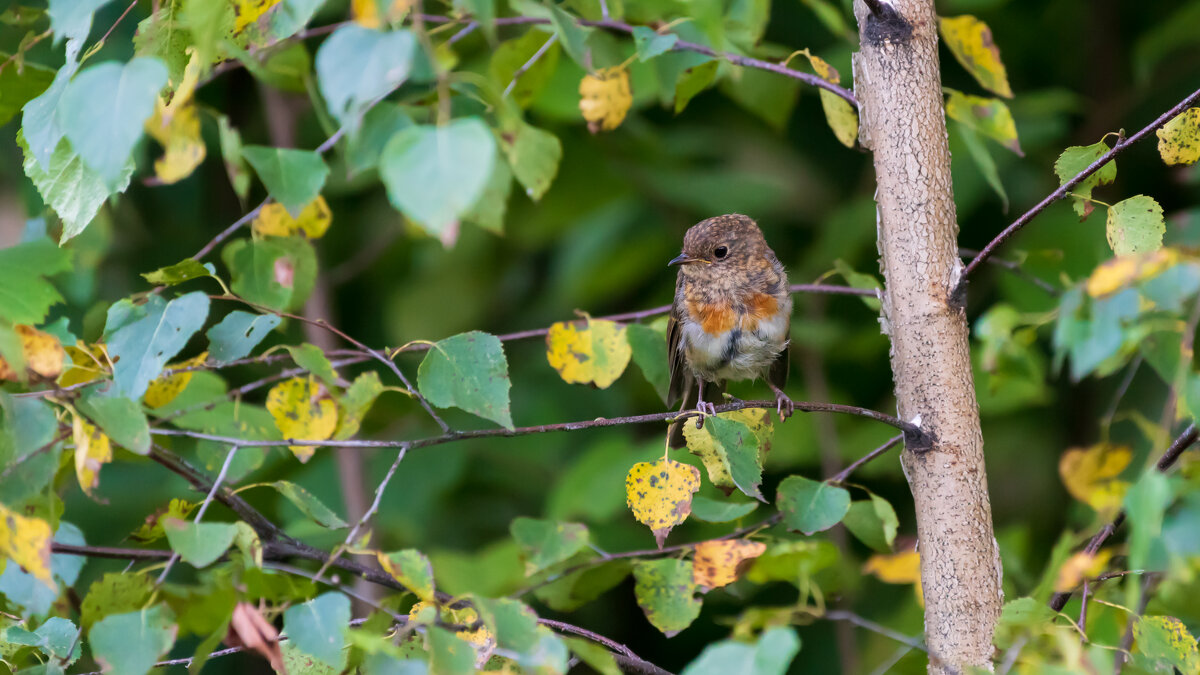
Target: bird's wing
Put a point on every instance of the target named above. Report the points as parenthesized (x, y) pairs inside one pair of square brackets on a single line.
[(681, 376), (778, 375)]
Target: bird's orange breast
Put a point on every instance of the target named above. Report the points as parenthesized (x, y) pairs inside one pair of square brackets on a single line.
[(759, 307), (713, 317)]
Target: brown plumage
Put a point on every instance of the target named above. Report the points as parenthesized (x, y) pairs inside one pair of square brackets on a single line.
[(731, 316)]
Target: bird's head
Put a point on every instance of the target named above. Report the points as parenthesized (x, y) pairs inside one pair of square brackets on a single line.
[(722, 246)]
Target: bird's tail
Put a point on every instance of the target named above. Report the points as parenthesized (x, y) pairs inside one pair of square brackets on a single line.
[(714, 392)]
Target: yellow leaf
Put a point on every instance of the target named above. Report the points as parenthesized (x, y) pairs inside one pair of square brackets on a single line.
[(660, 494), (591, 351), (179, 134), (720, 562), (1121, 272), (480, 638), (366, 12), (1078, 567), (838, 113), (702, 443), (897, 568), (274, 220), (1090, 475), (92, 451), (1179, 139), (152, 529), (302, 411), (42, 352), (605, 98), (87, 364), (988, 116), (26, 541), (970, 40), (246, 12), (164, 389)]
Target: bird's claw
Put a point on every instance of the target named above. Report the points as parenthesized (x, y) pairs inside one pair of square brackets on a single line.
[(784, 405), (705, 408)]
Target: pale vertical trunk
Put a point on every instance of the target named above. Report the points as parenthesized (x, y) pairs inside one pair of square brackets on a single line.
[(898, 84)]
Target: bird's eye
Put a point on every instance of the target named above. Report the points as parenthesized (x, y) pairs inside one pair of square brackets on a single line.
[(720, 252)]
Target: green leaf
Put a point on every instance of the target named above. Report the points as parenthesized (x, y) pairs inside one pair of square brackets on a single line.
[(534, 155), (874, 522), (1145, 503), (210, 22), (714, 511), (291, 16), (651, 43), (1073, 161), (1166, 643), (1025, 613), (72, 18), (292, 177), (262, 271), (70, 187), (103, 109), (809, 506), (729, 450), (572, 36), (434, 175), (311, 358), (238, 334), (318, 627), (773, 99), (303, 259), (483, 11), (141, 339), (488, 211), (468, 371), (120, 418), (309, 505), (199, 544), (594, 655), (989, 116), (1135, 225), (830, 16), (794, 562), (132, 643), (982, 158), (26, 425), (25, 295), (860, 280), (412, 569), (692, 81), (354, 404), (182, 271), (511, 621), (54, 638), (39, 124), (771, 655), (21, 85), (114, 593), (231, 151), (572, 591), (511, 55), (666, 593), (356, 66), (366, 143), (547, 542), (165, 37), (448, 655), (649, 346)]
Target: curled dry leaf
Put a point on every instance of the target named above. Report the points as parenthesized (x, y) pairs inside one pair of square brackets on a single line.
[(605, 98), (1082, 565), (248, 629), (43, 355), (92, 451)]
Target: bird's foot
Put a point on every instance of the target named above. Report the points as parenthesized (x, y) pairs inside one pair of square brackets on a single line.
[(705, 408), (783, 404)]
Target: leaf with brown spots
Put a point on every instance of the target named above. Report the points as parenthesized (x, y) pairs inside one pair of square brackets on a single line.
[(302, 412), (970, 40), (1179, 139), (667, 594), (720, 562), (660, 494), (588, 352)]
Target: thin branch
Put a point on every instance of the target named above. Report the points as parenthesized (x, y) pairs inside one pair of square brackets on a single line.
[(1016, 270), (529, 64), (845, 473), (117, 22), (1168, 459), (1062, 191), (263, 526), (804, 406), (203, 507), (838, 615), (229, 231)]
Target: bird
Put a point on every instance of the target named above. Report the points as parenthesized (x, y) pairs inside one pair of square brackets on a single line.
[(731, 318)]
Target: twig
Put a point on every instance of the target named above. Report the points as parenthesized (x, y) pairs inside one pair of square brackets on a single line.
[(1168, 459), (117, 22), (261, 524), (1015, 268), (203, 507), (229, 231), (1130, 372), (839, 615), (529, 64), (598, 422), (845, 473), (1066, 187)]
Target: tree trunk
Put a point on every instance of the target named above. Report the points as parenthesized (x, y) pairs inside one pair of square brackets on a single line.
[(898, 84)]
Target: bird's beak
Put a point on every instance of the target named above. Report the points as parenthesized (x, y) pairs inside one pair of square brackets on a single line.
[(685, 259)]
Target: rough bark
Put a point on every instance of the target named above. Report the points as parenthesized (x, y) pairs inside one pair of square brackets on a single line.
[(898, 84)]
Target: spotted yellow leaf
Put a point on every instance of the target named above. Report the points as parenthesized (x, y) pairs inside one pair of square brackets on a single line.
[(1082, 565), (26, 541), (87, 363), (731, 445), (1090, 475), (1121, 272), (302, 411), (839, 114), (92, 451), (660, 494), (588, 352), (164, 389), (42, 352), (720, 562), (246, 12), (314, 219), (970, 40), (1179, 139), (605, 98), (481, 639), (989, 116), (897, 568)]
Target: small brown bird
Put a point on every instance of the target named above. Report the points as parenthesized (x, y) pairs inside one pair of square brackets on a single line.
[(731, 318)]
